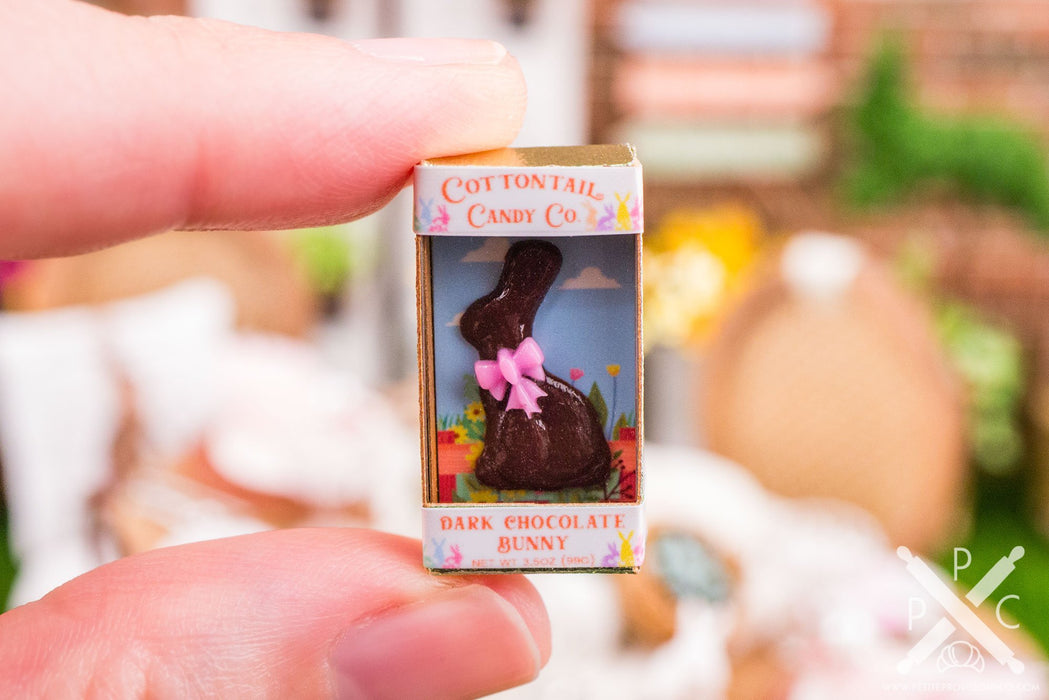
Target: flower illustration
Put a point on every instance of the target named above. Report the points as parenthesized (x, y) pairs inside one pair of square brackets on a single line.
[(484, 495), (613, 370), (460, 434), (575, 374), (475, 412), (474, 452)]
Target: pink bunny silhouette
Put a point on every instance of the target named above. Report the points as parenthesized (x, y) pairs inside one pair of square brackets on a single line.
[(440, 222), (455, 559)]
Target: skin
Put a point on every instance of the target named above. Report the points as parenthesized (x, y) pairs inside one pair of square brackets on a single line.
[(114, 128)]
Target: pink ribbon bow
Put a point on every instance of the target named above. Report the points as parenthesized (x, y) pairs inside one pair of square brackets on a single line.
[(515, 369)]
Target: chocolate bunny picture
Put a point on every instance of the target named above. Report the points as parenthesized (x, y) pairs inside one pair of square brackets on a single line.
[(541, 433)]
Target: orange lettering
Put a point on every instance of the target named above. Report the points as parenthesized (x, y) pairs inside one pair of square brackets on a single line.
[(456, 182)]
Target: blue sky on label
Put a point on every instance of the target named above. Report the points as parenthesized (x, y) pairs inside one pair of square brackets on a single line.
[(587, 321)]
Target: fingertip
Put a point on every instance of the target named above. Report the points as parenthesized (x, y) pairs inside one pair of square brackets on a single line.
[(523, 596), (139, 126), (465, 641)]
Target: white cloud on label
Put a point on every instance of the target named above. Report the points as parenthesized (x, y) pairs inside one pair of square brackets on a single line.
[(590, 278), (492, 250), (455, 319)]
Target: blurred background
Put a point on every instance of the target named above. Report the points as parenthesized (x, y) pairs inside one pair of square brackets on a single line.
[(847, 347)]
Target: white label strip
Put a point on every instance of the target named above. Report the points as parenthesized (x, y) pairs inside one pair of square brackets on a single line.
[(534, 536), (555, 201)]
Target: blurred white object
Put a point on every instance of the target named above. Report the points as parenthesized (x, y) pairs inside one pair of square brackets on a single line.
[(821, 266), (289, 425), (167, 344), (819, 589), (725, 28), (58, 415), (60, 409)]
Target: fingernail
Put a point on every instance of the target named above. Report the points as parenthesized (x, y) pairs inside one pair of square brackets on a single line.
[(467, 642), (433, 52)]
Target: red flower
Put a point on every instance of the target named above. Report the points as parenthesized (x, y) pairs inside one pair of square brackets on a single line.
[(575, 373)]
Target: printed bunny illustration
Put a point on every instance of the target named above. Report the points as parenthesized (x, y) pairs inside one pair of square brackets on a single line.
[(440, 223), (455, 559), (611, 559), (607, 222), (438, 549), (623, 221), (626, 551), (423, 214), (541, 432), (591, 216)]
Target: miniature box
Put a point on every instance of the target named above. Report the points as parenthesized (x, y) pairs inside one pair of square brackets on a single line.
[(529, 298)]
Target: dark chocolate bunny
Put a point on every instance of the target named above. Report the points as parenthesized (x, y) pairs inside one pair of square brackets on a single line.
[(541, 432)]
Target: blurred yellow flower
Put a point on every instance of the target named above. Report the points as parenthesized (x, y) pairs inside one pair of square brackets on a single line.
[(475, 411), (695, 261), (474, 452), (460, 434), (613, 370)]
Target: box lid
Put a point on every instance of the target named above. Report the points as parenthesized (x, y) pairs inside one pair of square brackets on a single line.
[(554, 191)]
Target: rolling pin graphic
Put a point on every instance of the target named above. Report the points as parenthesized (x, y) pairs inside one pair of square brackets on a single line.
[(958, 610)]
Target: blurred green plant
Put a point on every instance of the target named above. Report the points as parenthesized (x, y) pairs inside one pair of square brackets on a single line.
[(990, 361), (895, 148), (326, 255), (8, 567), (995, 530)]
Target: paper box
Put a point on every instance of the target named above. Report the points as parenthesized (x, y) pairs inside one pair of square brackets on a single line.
[(529, 298)]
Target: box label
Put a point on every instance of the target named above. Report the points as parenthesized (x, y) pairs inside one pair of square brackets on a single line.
[(511, 201), (533, 537)]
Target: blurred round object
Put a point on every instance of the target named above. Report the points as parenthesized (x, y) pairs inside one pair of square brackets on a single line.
[(679, 565), (828, 381), (270, 291)]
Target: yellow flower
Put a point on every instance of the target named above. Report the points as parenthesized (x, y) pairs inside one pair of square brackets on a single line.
[(484, 495), (474, 452), (475, 412), (613, 370), (696, 262), (460, 434)]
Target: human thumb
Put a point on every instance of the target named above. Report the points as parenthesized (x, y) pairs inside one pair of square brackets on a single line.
[(292, 613)]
